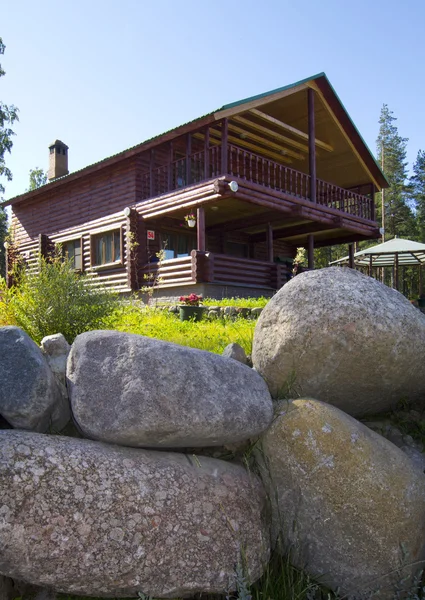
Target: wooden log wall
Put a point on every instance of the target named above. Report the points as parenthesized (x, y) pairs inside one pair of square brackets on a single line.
[(79, 210)]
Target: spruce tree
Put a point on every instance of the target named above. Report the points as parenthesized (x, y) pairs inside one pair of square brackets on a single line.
[(391, 148), (417, 190)]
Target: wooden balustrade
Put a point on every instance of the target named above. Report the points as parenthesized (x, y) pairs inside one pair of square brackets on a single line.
[(243, 164)]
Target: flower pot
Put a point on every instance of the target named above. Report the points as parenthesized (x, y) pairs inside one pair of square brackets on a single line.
[(191, 313), (191, 222)]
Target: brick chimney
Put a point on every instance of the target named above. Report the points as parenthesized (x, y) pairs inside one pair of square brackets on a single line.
[(58, 160)]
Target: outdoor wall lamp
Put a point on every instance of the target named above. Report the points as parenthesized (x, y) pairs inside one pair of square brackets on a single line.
[(233, 185)]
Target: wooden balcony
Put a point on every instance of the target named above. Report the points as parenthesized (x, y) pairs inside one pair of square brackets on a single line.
[(208, 267), (245, 165)]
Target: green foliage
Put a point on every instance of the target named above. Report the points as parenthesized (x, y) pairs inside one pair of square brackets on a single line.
[(37, 178), (417, 191), (3, 232), (8, 115), (391, 147), (212, 336), (54, 299)]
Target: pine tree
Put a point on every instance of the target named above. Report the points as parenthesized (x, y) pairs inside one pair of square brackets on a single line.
[(417, 190), (399, 218)]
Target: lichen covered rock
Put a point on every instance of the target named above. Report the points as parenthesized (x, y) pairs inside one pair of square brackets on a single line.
[(348, 505)]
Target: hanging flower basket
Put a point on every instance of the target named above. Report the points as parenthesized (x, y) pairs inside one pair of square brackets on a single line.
[(190, 220)]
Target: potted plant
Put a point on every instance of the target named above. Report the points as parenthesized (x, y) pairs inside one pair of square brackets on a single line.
[(190, 219), (190, 308)]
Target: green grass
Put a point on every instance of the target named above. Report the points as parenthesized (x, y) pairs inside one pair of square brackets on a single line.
[(239, 302), (212, 335)]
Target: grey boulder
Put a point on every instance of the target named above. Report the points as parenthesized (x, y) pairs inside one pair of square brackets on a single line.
[(348, 505), (81, 517), (56, 350), (137, 391), (30, 397), (344, 338), (236, 352)]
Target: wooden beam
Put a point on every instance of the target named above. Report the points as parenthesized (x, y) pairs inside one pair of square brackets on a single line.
[(246, 222), (343, 131), (207, 153), (249, 146), (151, 178), (238, 108), (224, 144), (269, 233), (311, 145), (271, 133), (170, 166), (266, 143), (396, 270), (188, 159), (287, 127), (310, 251), (200, 229), (351, 256)]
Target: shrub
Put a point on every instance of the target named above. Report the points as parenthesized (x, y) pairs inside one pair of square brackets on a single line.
[(55, 299)]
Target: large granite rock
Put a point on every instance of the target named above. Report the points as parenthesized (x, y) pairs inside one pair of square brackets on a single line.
[(137, 391), (81, 517), (343, 338), (30, 397), (347, 503), (56, 350)]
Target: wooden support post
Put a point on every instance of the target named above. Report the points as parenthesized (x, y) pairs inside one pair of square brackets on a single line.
[(310, 251), (151, 177), (396, 271), (351, 256), (269, 237), (189, 159), (201, 229), (312, 145), (224, 145), (43, 245), (372, 196), (170, 167), (420, 280), (207, 153), (132, 243), (370, 265)]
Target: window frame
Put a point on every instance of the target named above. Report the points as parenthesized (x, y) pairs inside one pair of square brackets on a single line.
[(94, 236), (78, 238)]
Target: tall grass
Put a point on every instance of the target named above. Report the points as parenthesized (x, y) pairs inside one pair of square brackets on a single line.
[(212, 335)]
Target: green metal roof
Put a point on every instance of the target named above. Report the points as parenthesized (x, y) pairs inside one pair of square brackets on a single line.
[(383, 255), (213, 114)]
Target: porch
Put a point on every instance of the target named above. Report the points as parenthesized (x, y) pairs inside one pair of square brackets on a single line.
[(214, 270)]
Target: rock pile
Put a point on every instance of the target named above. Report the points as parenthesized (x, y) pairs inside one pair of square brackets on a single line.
[(140, 507)]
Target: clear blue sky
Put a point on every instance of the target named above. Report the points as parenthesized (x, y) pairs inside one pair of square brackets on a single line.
[(103, 75)]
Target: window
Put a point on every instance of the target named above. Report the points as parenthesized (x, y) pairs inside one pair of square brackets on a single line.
[(71, 249), (176, 245), (106, 247)]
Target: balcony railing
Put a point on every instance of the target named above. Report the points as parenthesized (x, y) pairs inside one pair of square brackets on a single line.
[(253, 168)]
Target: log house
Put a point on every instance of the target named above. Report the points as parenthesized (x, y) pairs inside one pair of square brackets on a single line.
[(263, 176)]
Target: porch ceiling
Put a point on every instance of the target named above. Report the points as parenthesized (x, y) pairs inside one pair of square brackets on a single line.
[(230, 215)]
